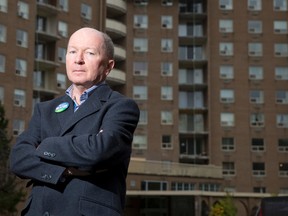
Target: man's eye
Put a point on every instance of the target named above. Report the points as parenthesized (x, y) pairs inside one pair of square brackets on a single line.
[(91, 53), (72, 51)]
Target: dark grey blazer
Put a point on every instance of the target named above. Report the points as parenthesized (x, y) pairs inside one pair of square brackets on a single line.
[(96, 138)]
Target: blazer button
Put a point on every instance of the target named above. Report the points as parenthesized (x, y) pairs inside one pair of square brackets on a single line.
[(46, 213)]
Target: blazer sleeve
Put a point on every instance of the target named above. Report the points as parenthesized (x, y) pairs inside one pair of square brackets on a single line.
[(106, 147), (23, 159)]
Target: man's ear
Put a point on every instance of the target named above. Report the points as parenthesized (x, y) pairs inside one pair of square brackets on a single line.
[(110, 66)]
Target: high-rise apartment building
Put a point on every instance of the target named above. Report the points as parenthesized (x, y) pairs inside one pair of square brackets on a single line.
[(210, 78)]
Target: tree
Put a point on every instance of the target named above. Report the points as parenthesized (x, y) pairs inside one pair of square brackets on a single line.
[(10, 192), (225, 207)]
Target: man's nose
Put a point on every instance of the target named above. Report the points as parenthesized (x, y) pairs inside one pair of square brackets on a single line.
[(79, 58)]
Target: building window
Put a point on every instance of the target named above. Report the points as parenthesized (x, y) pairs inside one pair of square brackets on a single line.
[(23, 10), (282, 120), (283, 169), (226, 4), (227, 119), (256, 97), (255, 26), (21, 67), (167, 2), (191, 53), (257, 144), (258, 169), (259, 189), (190, 77), (3, 33), (227, 96), (62, 54), (255, 49), (2, 63), (283, 190), (18, 127), (283, 145), (191, 100), (140, 45), (39, 50), (281, 50), (63, 5), (282, 97), (143, 119), (3, 6), (257, 120), (166, 22), (191, 123), (280, 5), (166, 118), (182, 186), (225, 26), (254, 5), (141, 2), (166, 142), (192, 147), (139, 142), (166, 93), (61, 80), (190, 30), (166, 45), (227, 144), (41, 23), (226, 72), (39, 79), (226, 49), (140, 92), (281, 73), (19, 98), (280, 27), (255, 73), (154, 185), (166, 68), (63, 29), (209, 187), (228, 169), (86, 11), (1, 95), (22, 38), (141, 21), (140, 68)]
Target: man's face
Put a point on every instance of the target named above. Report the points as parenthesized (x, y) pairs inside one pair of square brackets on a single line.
[(86, 62)]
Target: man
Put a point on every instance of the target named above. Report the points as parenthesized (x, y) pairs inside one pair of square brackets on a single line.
[(77, 147)]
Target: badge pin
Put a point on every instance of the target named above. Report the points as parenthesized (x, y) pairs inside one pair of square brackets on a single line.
[(61, 107)]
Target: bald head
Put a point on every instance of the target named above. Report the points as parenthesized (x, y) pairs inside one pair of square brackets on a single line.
[(89, 57), (91, 34)]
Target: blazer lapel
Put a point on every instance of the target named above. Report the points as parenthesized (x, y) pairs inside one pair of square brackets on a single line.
[(91, 105)]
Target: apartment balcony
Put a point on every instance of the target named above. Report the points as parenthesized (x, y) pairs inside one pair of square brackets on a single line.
[(160, 168), (192, 86), (192, 40), (192, 63), (47, 7), (192, 11), (116, 77), (194, 159), (191, 111), (120, 53), (45, 64), (116, 8), (115, 29), (47, 36)]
